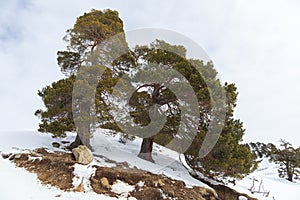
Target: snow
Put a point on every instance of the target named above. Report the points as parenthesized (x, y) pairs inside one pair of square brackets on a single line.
[(166, 161), (141, 184), (82, 175), (267, 180), (17, 183), (122, 188), (104, 145)]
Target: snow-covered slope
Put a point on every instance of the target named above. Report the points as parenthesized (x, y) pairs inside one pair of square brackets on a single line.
[(17, 183), (266, 180)]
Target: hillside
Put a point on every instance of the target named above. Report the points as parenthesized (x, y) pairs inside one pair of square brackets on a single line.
[(109, 153)]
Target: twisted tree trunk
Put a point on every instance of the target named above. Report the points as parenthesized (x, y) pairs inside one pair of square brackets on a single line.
[(146, 149)]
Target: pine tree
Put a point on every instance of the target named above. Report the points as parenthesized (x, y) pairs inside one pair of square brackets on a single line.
[(57, 98), (263, 150), (229, 157), (288, 159), (88, 31), (152, 93), (286, 156)]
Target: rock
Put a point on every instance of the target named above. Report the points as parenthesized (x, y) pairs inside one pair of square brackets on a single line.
[(83, 155), (6, 156), (160, 183), (104, 182), (79, 188), (56, 144), (18, 156)]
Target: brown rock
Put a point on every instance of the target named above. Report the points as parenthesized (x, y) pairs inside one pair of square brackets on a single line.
[(160, 183), (104, 182), (83, 155), (79, 188), (18, 156)]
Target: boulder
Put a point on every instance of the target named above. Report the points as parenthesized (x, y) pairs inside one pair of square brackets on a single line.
[(83, 155), (18, 156)]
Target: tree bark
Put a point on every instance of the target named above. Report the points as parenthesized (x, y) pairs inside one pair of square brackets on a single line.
[(83, 124), (290, 176), (85, 135), (82, 138), (146, 149), (147, 144), (288, 171)]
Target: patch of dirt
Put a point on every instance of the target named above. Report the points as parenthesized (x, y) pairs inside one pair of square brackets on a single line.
[(148, 186), (55, 169), (227, 193)]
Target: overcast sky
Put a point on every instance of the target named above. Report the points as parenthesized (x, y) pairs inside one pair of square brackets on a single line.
[(255, 44)]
